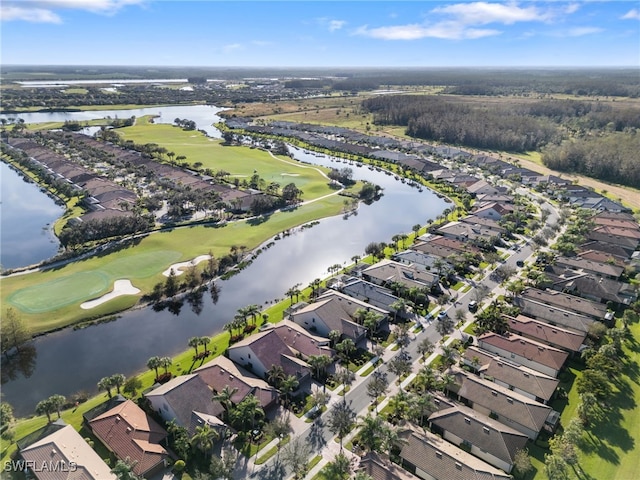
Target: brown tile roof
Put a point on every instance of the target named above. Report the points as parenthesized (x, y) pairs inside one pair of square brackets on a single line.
[(481, 431), (379, 467), (61, 448), (590, 266), (505, 403), (550, 334), (529, 349), (607, 248), (517, 376), (391, 271), (616, 222), (619, 231), (603, 257), (129, 432), (452, 243), (221, 372)]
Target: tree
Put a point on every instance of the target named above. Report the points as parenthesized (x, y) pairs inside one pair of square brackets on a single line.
[(276, 375), (279, 428), (375, 249), (131, 386), (57, 402), (425, 347), (595, 382), (522, 462), (401, 332), (345, 349), (153, 364), (246, 414), (425, 378), (204, 438), (371, 433), (400, 365), (171, 284), (45, 407), (123, 470), (377, 386), (296, 455), (318, 365), (13, 332), (293, 292), (194, 342), (338, 469), (224, 466), (291, 193), (341, 420), (117, 380), (420, 407), (166, 362), (106, 384), (288, 385), (225, 397), (6, 416), (319, 399), (344, 377), (445, 325)]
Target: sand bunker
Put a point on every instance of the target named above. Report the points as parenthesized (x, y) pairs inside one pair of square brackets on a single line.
[(290, 174), (120, 287), (178, 268)]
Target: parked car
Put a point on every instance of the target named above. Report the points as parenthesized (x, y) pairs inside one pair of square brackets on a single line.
[(473, 306), (520, 263), (442, 315)]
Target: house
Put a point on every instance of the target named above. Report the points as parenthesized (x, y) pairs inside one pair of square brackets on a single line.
[(588, 286), (619, 220), (181, 397), (602, 257), (62, 447), (532, 354), (484, 438), (222, 372), (624, 231), (564, 339), (286, 344), (485, 223), (507, 407), (456, 245), (609, 248), (540, 310), (380, 467), (482, 187), (387, 272), (493, 211), (494, 197), (597, 311), (474, 234), (520, 379), (130, 433), (606, 270), (431, 457), (335, 311), (422, 260), (627, 243), (367, 292)]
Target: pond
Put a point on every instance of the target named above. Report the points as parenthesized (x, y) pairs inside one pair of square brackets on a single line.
[(70, 361)]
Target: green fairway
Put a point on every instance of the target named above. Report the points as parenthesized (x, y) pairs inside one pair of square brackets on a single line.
[(240, 162), (141, 265)]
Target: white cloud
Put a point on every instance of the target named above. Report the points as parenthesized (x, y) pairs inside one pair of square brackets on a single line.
[(581, 31), (232, 47), (633, 14), (462, 21), (45, 11), (336, 25)]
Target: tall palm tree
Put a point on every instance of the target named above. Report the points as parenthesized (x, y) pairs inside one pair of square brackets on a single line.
[(346, 348), (253, 310), (166, 362), (153, 364), (57, 402), (117, 380), (318, 365), (287, 386), (371, 433), (204, 341), (106, 384), (275, 375), (45, 407), (194, 342), (247, 413), (225, 396), (204, 438)]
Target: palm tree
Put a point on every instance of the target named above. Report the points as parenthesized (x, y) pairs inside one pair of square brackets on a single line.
[(117, 380), (204, 437), (371, 433), (318, 365), (449, 355), (420, 407), (425, 347), (416, 228), (275, 376), (345, 349), (399, 306), (345, 377), (253, 310), (341, 419), (293, 292), (225, 396), (106, 384), (166, 362), (246, 413), (153, 364), (425, 378), (378, 385), (334, 337), (356, 258), (287, 386), (194, 342), (45, 407), (204, 341), (315, 286), (57, 402)]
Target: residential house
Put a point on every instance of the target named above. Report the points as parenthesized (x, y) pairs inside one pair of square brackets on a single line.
[(603, 257), (485, 223), (222, 372), (433, 458), (368, 292), (487, 439), (629, 244), (128, 432), (532, 354), (516, 377), (507, 407), (474, 234), (572, 303), (609, 248), (286, 344), (493, 211), (336, 311), (422, 260), (540, 310), (379, 467), (482, 187), (569, 340), (187, 400), (589, 286), (494, 197), (606, 270), (388, 271), (456, 245), (625, 232), (67, 454)]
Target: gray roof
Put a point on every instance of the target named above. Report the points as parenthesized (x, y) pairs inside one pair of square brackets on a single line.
[(368, 292), (583, 264), (511, 405), (489, 435), (566, 302), (554, 315), (541, 331), (532, 350), (390, 271)]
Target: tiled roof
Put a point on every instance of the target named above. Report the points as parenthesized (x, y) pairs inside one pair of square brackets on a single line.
[(63, 447), (586, 265), (607, 248), (129, 432), (528, 327), (567, 302), (380, 467), (390, 271), (185, 394), (556, 315), (221, 372), (481, 431), (633, 232), (451, 243), (524, 347), (510, 405), (516, 376)]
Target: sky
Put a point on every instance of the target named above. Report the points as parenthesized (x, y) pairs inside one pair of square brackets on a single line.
[(320, 33)]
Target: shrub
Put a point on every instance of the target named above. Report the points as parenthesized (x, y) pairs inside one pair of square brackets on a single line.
[(178, 466)]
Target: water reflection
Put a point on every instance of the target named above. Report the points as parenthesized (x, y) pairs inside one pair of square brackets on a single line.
[(21, 363)]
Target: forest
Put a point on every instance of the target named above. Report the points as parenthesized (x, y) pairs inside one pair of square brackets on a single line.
[(588, 137)]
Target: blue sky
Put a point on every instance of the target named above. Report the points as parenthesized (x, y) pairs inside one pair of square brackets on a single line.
[(320, 33)]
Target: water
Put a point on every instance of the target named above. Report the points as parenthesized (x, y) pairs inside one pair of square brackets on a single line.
[(70, 361), (26, 233)]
